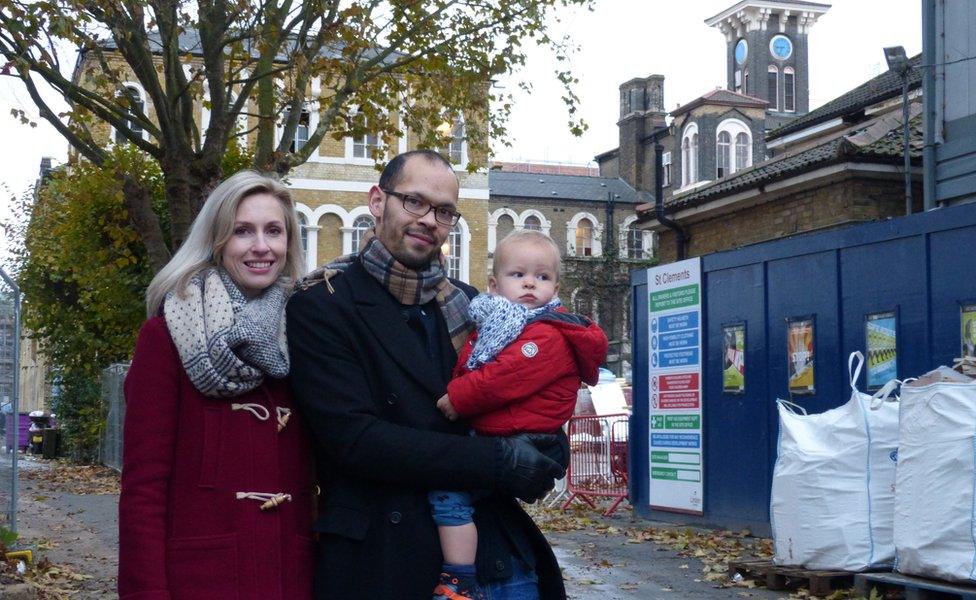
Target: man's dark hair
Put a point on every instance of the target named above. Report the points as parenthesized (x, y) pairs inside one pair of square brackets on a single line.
[(393, 171)]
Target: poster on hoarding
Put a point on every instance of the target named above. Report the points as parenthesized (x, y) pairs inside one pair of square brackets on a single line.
[(675, 390), (881, 331), (800, 354), (968, 330), (734, 358)]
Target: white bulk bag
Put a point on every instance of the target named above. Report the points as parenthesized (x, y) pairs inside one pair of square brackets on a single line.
[(832, 500), (935, 515)]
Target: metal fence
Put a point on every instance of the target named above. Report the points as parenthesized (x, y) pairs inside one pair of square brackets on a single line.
[(9, 399), (110, 444), (598, 459)]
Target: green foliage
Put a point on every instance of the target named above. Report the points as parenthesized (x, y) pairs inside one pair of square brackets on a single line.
[(83, 271), (83, 274), (7, 538)]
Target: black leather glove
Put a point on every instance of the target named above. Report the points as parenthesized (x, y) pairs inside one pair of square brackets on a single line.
[(526, 472)]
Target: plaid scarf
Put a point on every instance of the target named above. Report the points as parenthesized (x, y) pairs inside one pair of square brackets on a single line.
[(227, 343), (500, 321), (410, 286)]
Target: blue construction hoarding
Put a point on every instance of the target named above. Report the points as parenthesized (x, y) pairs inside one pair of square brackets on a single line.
[(898, 290)]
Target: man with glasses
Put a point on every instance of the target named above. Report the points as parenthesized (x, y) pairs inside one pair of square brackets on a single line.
[(373, 338)]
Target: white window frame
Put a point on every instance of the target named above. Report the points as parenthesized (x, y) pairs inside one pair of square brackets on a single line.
[(647, 239), (544, 223), (689, 155), (723, 154), (311, 233), (359, 231), (493, 225), (597, 248), (789, 89), (666, 169), (351, 158), (774, 99), (205, 117), (734, 127), (446, 150), (133, 85)]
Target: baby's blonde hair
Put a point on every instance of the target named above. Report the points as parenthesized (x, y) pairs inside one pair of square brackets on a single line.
[(532, 236)]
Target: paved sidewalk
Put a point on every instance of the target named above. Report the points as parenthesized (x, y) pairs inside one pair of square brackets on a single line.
[(602, 558)]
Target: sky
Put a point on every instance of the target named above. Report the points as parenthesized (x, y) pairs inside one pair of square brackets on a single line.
[(618, 40)]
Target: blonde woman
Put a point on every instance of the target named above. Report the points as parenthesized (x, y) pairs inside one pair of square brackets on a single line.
[(216, 482)]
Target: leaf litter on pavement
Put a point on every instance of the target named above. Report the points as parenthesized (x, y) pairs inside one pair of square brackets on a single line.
[(714, 549), (69, 478)]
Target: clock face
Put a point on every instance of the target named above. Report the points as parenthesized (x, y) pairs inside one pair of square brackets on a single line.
[(781, 47), (741, 51)]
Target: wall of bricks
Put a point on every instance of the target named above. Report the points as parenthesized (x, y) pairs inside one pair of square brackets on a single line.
[(844, 202)]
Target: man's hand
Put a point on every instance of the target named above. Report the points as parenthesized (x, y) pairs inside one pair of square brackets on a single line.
[(526, 472), (445, 406)]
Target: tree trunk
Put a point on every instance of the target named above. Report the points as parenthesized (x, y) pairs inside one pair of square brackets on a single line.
[(176, 175), (138, 202)]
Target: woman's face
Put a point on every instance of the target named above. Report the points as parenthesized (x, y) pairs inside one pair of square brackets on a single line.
[(258, 247)]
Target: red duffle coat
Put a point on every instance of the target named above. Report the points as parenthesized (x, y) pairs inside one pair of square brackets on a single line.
[(531, 385), (183, 531)]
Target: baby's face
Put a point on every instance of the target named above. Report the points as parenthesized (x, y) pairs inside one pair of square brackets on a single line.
[(527, 274)]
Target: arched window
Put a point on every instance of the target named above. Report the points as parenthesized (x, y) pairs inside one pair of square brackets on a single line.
[(453, 150), (741, 150), (584, 237), (773, 87), (723, 155), (136, 106), (689, 155), (734, 146), (303, 231), (685, 161), (745, 81), (532, 222), (360, 226), (789, 90), (453, 254)]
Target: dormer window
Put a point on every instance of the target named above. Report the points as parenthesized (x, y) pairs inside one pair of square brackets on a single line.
[(733, 147), (689, 155), (136, 106)]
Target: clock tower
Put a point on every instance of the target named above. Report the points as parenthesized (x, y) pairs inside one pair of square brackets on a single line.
[(766, 50)]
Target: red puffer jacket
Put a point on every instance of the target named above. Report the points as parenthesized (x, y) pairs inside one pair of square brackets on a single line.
[(531, 385)]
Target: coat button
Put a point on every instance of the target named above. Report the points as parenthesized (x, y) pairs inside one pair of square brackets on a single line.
[(499, 565), (395, 517), (391, 398)]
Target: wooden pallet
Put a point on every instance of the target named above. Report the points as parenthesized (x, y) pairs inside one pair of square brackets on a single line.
[(820, 583), (914, 588)]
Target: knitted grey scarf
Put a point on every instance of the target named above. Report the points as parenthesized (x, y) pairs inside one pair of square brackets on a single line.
[(227, 343), (499, 321)]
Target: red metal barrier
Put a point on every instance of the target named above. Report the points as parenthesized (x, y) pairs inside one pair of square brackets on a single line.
[(598, 459)]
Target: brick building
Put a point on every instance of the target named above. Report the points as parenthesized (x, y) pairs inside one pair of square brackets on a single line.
[(330, 188), (592, 220), (751, 162)]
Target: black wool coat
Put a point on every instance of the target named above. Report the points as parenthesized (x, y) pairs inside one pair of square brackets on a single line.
[(368, 393)]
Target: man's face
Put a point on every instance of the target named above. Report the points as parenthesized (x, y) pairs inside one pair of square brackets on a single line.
[(414, 240)]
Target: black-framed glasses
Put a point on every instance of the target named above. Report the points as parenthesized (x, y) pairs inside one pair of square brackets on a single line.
[(419, 207)]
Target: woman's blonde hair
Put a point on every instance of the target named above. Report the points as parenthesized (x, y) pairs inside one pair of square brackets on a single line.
[(213, 228)]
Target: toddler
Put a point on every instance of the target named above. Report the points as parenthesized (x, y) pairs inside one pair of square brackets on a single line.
[(518, 373)]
